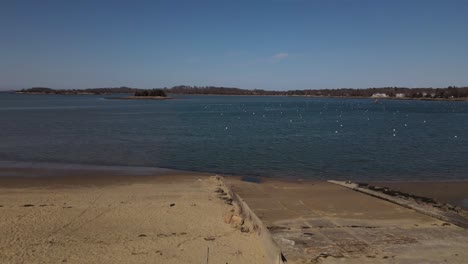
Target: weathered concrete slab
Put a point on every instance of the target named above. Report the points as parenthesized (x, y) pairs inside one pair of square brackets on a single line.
[(422, 205), (319, 222)]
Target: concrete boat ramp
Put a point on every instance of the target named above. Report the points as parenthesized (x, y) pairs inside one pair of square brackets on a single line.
[(324, 222)]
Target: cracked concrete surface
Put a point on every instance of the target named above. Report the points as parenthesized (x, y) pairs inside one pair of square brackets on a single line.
[(319, 222)]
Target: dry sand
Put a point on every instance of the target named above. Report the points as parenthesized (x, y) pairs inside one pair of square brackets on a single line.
[(174, 219)]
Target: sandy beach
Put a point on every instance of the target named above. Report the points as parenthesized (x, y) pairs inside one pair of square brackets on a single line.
[(113, 215), (174, 219)]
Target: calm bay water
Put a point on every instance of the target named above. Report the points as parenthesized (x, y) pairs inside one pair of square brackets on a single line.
[(288, 137)]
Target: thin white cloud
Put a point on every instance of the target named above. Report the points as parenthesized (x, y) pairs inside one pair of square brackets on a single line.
[(280, 56)]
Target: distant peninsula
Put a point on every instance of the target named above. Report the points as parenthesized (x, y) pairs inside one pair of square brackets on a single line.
[(113, 90), (448, 93), (155, 94)]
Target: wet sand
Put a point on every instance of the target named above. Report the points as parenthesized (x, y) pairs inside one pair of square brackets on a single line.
[(455, 193), (119, 219)]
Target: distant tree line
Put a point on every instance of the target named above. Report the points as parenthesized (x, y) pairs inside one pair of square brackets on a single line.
[(185, 89), (114, 90), (451, 92), (399, 92), (38, 90), (45, 90), (151, 92), (395, 92)]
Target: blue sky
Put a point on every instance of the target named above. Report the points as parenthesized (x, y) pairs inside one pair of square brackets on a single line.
[(249, 44)]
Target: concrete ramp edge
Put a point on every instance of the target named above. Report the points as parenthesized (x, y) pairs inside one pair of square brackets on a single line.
[(428, 210), (272, 250)]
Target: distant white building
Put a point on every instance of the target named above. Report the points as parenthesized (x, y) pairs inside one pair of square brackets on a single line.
[(400, 95), (379, 95)]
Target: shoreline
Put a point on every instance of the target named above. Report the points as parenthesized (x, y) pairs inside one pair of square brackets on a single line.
[(133, 169), (17, 174)]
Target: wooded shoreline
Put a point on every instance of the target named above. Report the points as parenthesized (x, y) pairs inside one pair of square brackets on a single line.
[(450, 93)]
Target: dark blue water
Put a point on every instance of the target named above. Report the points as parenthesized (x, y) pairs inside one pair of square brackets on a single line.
[(289, 137)]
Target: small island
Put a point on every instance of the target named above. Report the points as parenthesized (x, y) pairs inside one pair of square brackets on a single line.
[(150, 94)]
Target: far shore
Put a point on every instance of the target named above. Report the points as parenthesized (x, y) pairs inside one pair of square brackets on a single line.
[(463, 99), (141, 98), (39, 93), (387, 98)]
